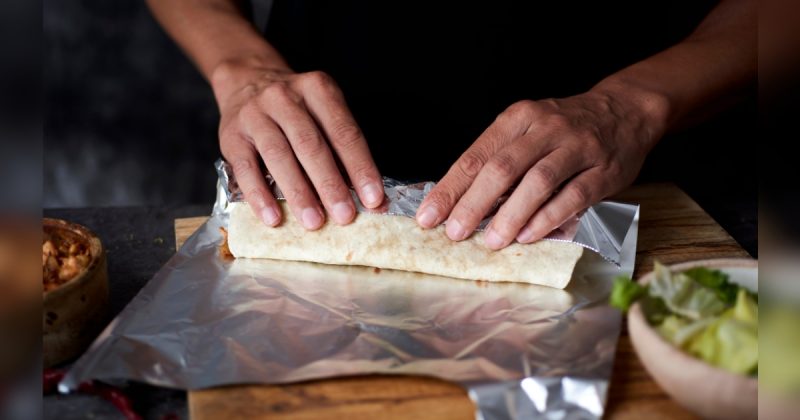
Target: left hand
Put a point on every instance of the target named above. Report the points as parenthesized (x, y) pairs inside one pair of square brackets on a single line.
[(566, 154)]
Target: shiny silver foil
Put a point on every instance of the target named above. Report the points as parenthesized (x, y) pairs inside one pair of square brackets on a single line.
[(522, 351)]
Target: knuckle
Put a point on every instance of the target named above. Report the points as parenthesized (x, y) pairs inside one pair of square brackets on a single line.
[(254, 195), (594, 152), (586, 133), (508, 224), (502, 166), (241, 166), (330, 188), (580, 195), (550, 103), (276, 90), (227, 135), (522, 108), (615, 170), (467, 212), (442, 198), (308, 142), (515, 223), (548, 217), (347, 134), (249, 112), (250, 90), (470, 164), (318, 79), (502, 227), (545, 176), (364, 170), (592, 143), (557, 121), (274, 149), (293, 193), (319, 76)]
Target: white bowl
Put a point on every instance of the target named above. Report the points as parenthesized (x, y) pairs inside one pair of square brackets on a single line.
[(700, 387)]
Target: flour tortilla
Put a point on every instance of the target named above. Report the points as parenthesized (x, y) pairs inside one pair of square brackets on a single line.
[(397, 242)]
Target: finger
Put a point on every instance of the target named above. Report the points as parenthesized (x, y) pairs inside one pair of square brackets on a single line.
[(440, 201), (580, 193), (536, 187), (246, 169), (499, 173), (327, 104), (281, 163), (315, 156)]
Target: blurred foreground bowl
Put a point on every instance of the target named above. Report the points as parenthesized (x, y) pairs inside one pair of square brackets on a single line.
[(704, 389), (20, 296)]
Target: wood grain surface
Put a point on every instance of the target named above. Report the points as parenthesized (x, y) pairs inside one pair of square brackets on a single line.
[(672, 228)]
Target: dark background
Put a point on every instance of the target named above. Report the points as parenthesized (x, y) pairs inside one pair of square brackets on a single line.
[(129, 121)]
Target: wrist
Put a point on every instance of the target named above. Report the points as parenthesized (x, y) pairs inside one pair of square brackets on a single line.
[(650, 108), (231, 75)]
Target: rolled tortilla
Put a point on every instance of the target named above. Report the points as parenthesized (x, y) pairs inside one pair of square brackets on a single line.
[(397, 242)]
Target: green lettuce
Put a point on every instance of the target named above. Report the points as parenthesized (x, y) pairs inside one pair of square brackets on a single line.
[(684, 296), (679, 330), (715, 280), (699, 311), (654, 309), (624, 292)]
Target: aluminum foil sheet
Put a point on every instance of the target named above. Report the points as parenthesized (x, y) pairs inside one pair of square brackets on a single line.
[(522, 351)]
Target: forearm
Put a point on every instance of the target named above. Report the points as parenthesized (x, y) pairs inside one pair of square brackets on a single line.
[(692, 79), (215, 35)]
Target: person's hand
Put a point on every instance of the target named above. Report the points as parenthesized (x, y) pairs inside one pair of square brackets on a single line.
[(295, 123), (566, 155)]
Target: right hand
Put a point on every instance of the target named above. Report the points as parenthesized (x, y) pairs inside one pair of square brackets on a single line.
[(291, 120)]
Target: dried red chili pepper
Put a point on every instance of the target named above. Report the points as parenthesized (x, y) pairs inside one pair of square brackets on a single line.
[(51, 378)]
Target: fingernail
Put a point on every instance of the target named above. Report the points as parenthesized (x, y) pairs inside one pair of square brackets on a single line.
[(342, 212), (312, 218), (427, 218), (373, 195), (493, 240), (454, 230), (525, 235), (270, 216)]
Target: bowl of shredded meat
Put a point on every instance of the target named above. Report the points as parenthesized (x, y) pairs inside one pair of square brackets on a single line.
[(75, 289)]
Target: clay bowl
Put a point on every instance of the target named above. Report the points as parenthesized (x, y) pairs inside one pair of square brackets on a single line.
[(700, 387), (74, 312)]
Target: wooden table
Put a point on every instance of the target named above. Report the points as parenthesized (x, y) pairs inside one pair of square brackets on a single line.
[(672, 228)]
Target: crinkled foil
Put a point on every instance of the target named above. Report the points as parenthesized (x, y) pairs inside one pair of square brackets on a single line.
[(522, 351)]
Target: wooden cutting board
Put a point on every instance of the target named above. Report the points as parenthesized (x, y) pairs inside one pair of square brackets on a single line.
[(672, 228)]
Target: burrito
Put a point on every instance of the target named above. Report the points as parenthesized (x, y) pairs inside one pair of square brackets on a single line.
[(398, 243)]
